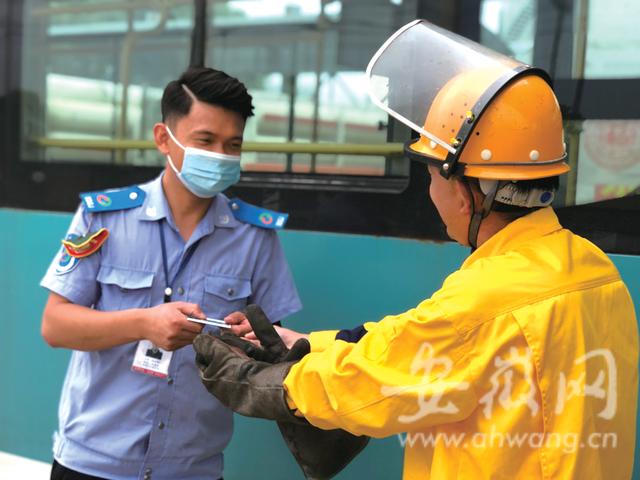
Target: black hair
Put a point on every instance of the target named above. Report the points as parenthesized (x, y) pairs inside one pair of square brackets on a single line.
[(209, 86)]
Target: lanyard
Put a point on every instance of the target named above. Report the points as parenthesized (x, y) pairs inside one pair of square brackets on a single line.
[(168, 291)]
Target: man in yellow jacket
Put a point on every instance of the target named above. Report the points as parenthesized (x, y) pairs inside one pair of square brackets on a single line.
[(524, 364)]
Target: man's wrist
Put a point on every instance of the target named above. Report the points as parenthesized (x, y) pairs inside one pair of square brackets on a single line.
[(140, 322)]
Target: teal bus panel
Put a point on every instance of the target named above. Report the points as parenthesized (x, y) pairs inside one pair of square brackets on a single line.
[(343, 280)]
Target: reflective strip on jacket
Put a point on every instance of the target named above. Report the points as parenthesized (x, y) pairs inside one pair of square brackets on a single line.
[(523, 365)]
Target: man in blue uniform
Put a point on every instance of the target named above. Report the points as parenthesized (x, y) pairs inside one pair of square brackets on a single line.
[(137, 262)]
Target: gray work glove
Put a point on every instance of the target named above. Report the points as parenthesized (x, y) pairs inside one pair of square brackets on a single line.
[(271, 349), (320, 453), (247, 386)]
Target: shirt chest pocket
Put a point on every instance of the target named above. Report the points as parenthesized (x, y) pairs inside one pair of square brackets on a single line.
[(122, 288), (224, 295)]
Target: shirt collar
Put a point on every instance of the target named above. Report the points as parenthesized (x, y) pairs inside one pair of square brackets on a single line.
[(221, 214), (534, 225), (156, 207), (218, 215)]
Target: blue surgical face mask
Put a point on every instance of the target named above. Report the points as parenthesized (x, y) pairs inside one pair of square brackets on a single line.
[(206, 173)]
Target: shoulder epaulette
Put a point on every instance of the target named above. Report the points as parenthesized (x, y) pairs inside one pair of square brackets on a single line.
[(113, 199), (258, 216)]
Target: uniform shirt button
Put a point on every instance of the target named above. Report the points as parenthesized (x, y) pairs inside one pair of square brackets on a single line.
[(230, 291), (181, 290), (148, 471), (161, 425)]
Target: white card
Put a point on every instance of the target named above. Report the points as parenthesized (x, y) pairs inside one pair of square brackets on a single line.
[(151, 360)]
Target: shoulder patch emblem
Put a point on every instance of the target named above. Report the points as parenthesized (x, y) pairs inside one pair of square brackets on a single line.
[(66, 262), (80, 247), (258, 216), (113, 199)]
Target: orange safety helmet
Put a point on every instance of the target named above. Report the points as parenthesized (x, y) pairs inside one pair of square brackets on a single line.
[(514, 134), (479, 113)]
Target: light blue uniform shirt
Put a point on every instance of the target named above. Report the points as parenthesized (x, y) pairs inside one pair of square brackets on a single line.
[(121, 424)]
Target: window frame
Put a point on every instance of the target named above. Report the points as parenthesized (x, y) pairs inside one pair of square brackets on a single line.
[(339, 203), (388, 206)]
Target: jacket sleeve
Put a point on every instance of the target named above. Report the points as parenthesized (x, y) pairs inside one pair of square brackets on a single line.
[(323, 339), (407, 373)]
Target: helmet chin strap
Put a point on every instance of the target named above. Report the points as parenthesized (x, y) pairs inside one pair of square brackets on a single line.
[(477, 217)]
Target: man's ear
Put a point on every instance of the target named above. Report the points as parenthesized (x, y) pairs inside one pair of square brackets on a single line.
[(463, 194), (161, 138)]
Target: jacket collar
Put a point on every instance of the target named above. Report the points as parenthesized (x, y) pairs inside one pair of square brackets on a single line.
[(534, 225)]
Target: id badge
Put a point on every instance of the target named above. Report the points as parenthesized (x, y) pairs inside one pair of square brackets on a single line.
[(151, 360)]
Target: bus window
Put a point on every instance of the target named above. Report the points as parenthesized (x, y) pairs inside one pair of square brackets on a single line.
[(97, 69), (586, 41), (609, 161), (95, 72), (86, 77)]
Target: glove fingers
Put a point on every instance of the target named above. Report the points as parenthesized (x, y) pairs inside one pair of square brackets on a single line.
[(298, 350), (264, 330), (246, 346)]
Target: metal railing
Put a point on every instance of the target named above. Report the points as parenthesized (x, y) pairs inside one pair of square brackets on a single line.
[(382, 149)]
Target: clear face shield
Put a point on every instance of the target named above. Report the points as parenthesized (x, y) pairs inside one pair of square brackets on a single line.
[(436, 82)]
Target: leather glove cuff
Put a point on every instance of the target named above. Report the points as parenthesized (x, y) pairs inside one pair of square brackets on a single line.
[(249, 387)]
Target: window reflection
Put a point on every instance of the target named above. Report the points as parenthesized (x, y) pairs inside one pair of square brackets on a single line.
[(613, 38), (604, 153), (509, 27), (97, 69), (609, 161), (303, 92)]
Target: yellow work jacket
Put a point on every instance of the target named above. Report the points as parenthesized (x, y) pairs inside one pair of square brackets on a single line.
[(522, 366)]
